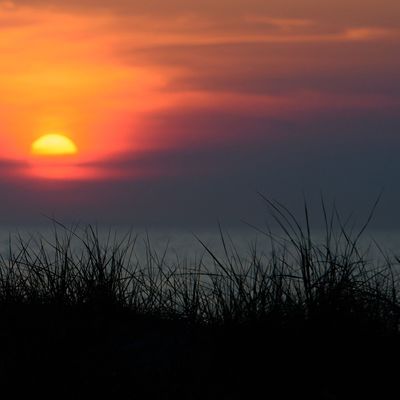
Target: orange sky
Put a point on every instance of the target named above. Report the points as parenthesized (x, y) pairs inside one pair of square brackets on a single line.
[(101, 72), (60, 73)]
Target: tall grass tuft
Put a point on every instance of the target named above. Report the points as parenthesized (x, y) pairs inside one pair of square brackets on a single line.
[(119, 312), (296, 276)]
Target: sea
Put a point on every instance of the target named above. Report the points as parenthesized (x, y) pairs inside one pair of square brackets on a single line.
[(192, 244)]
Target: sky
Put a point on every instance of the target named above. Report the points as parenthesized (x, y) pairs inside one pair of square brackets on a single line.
[(183, 111)]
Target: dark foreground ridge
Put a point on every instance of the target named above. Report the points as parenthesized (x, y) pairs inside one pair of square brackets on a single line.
[(306, 319)]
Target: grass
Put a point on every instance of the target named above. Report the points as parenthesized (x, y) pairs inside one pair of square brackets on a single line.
[(83, 316)]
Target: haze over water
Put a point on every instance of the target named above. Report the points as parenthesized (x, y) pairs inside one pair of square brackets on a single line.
[(184, 245)]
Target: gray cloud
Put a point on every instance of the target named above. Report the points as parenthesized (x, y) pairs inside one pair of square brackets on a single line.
[(347, 157), (385, 12), (10, 169), (346, 153)]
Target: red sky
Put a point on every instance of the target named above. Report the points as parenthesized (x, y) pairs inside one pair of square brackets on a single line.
[(139, 85)]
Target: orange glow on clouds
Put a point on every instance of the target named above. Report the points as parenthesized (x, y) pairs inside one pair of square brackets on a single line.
[(99, 74), (58, 73)]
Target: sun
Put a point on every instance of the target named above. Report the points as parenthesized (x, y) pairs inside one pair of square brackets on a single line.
[(53, 145)]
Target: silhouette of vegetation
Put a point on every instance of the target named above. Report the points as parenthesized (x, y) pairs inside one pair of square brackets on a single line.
[(81, 316)]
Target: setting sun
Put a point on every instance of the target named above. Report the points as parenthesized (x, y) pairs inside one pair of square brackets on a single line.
[(54, 144)]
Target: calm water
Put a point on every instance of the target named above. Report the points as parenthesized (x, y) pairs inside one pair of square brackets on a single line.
[(176, 242), (185, 243)]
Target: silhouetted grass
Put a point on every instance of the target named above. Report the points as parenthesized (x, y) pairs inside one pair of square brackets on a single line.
[(306, 317)]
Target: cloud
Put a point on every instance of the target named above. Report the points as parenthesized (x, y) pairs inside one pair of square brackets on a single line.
[(281, 23), (7, 5), (187, 108), (11, 169), (366, 33), (221, 180), (278, 68), (386, 10)]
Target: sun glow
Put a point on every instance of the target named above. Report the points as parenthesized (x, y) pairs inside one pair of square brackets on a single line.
[(53, 145)]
